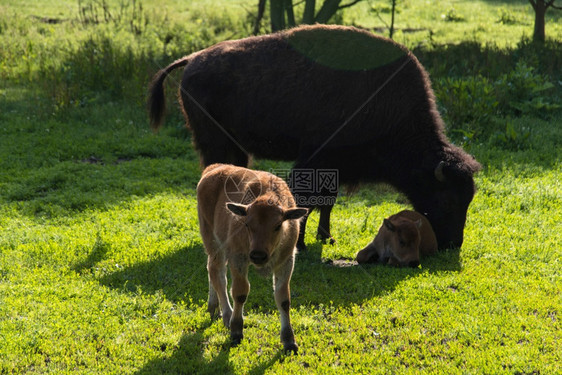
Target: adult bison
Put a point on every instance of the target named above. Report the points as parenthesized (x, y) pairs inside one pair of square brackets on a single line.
[(329, 98)]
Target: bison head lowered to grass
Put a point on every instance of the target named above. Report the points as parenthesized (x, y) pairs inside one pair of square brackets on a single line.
[(329, 98)]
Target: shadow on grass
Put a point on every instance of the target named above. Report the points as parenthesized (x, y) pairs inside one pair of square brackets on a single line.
[(188, 358), (91, 157), (344, 282), (182, 276), (96, 255), (470, 58)]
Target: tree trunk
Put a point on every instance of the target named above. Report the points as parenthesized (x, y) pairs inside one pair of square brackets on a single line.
[(391, 32), (308, 15), (277, 10), (329, 8), (282, 12), (290, 13), (540, 11), (261, 11)]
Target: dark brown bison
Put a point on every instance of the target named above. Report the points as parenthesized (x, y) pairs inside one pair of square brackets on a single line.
[(329, 98)]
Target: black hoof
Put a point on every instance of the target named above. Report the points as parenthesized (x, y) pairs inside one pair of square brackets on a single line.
[(236, 339), (325, 238), (291, 348)]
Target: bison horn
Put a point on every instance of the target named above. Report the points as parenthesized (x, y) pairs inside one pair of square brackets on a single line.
[(439, 172)]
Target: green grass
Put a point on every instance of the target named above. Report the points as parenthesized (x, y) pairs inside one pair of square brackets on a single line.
[(102, 269), (425, 22)]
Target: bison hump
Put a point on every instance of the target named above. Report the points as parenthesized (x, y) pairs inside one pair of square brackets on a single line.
[(344, 48)]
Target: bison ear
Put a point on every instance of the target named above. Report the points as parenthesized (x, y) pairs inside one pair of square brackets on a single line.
[(295, 213), (418, 223), (388, 224), (237, 209)]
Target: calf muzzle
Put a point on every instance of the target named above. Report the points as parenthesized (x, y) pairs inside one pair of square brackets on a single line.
[(258, 257)]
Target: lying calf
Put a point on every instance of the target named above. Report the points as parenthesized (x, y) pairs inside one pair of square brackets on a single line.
[(401, 240), (247, 217)]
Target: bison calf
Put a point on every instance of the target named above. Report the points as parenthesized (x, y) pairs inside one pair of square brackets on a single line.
[(401, 240), (247, 217)]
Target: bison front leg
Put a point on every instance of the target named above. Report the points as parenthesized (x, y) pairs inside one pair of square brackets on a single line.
[(281, 280), (323, 233), (240, 290)]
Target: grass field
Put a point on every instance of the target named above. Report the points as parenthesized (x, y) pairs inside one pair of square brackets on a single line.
[(102, 269)]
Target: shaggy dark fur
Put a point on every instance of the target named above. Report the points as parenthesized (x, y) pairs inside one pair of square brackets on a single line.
[(327, 97)]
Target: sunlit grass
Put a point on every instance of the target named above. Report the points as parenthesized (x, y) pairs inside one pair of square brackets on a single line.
[(118, 282), (499, 23), (102, 269)]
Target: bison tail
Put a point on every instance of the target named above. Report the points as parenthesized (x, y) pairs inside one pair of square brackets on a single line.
[(156, 98)]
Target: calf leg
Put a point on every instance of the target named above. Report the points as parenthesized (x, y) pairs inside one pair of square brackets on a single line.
[(367, 255), (212, 301), (216, 269), (240, 290), (216, 266), (281, 280)]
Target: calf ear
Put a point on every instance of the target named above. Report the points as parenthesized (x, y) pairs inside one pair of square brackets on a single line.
[(295, 213), (237, 209), (388, 224)]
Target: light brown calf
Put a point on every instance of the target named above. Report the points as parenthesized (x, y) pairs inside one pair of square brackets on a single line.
[(401, 240), (247, 217)]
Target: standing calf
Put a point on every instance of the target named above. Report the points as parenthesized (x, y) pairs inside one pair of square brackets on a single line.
[(247, 217), (401, 240)]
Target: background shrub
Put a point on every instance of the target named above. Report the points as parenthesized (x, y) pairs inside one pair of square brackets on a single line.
[(524, 91), (479, 88), (467, 104)]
